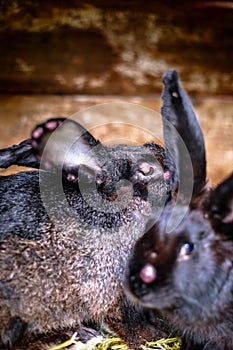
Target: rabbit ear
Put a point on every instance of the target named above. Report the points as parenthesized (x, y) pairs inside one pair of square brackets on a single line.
[(21, 154), (183, 136), (64, 144), (219, 207)]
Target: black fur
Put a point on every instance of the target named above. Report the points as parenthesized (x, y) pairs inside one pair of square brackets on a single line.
[(21, 155), (186, 274), (67, 230), (99, 169), (14, 332)]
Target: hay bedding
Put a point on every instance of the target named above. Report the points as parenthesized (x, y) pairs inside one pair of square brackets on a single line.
[(111, 343)]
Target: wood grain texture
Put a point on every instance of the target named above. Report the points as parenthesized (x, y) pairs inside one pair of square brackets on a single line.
[(100, 47)]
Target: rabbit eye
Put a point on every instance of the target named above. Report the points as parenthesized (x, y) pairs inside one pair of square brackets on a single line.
[(185, 251), (146, 169)]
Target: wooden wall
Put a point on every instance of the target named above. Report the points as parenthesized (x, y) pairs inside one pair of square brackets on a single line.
[(61, 56), (114, 47)]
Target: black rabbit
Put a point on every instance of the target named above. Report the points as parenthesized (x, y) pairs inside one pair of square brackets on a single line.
[(100, 172), (183, 266), (63, 264)]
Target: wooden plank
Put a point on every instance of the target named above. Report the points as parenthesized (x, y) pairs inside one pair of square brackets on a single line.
[(19, 114), (111, 47)]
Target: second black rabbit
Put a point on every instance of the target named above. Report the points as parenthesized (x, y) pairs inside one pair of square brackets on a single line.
[(183, 266)]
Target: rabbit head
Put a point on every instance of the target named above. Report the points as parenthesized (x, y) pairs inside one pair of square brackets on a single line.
[(187, 266), (61, 145), (182, 266)]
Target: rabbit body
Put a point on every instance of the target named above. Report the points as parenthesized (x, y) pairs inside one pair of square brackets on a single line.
[(71, 275), (64, 265), (56, 283), (183, 266)]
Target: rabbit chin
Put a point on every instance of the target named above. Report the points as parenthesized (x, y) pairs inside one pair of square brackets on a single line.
[(158, 301), (172, 305)]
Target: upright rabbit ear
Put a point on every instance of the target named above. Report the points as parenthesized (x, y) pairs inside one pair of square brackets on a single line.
[(219, 207), (64, 144), (21, 154), (183, 136)]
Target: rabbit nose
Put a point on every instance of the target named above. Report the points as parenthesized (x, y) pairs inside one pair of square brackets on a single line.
[(148, 274)]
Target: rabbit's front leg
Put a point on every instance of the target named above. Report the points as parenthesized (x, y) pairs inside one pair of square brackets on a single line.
[(14, 331), (137, 326)]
